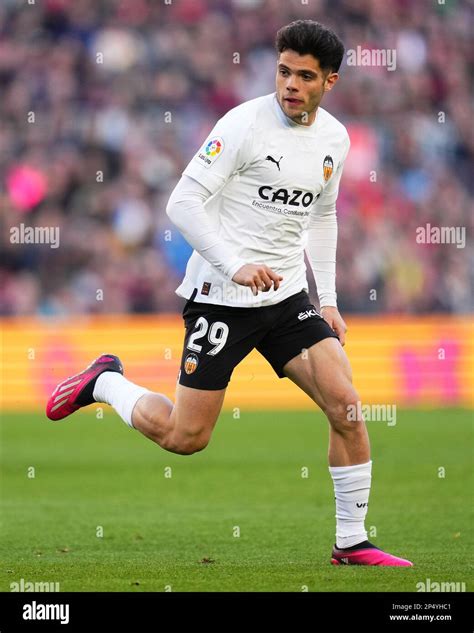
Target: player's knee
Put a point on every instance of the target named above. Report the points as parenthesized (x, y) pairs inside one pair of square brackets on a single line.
[(193, 446), (189, 444), (345, 413)]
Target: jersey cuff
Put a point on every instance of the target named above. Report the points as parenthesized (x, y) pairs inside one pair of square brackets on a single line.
[(328, 300)]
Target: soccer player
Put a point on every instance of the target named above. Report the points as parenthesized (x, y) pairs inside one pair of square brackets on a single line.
[(260, 190)]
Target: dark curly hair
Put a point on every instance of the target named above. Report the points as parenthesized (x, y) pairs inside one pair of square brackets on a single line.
[(310, 37)]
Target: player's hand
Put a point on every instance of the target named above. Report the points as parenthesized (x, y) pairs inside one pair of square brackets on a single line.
[(257, 277), (331, 315)]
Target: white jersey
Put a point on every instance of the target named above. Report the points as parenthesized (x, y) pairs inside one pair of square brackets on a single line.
[(267, 175)]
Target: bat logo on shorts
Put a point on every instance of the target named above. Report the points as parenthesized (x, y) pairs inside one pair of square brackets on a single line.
[(190, 363)]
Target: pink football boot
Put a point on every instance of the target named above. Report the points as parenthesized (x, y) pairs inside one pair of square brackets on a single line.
[(366, 554), (76, 391)]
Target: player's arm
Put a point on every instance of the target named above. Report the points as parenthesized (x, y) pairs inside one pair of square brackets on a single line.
[(321, 249), (186, 210)]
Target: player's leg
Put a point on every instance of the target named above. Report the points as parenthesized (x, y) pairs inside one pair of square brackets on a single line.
[(324, 373), (303, 347), (185, 427), (217, 339)]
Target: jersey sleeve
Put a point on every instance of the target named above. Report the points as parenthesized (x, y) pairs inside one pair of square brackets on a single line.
[(331, 191), (186, 210), (322, 236), (225, 152)]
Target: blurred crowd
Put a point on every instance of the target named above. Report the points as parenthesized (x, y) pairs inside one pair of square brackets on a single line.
[(104, 102)]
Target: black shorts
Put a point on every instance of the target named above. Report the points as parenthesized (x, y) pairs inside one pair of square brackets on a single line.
[(218, 337)]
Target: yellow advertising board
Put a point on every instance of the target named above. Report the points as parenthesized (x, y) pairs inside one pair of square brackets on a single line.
[(408, 361)]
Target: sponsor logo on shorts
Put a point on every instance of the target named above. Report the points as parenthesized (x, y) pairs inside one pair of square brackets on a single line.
[(307, 314), (190, 363)]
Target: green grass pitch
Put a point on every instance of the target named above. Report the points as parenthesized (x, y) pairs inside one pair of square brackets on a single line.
[(99, 514)]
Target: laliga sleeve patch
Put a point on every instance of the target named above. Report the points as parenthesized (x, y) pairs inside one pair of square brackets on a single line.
[(210, 151)]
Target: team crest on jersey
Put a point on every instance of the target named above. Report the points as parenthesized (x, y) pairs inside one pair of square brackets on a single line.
[(328, 167), (211, 151), (190, 363)]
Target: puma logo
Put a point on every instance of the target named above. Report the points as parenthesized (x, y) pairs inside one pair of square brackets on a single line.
[(277, 162)]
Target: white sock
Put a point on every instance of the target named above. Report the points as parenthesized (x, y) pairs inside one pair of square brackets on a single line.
[(352, 489), (112, 388)]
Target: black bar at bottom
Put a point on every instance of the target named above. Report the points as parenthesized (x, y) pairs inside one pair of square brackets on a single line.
[(234, 612)]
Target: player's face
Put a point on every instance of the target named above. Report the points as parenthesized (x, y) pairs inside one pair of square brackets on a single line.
[(300, 85)]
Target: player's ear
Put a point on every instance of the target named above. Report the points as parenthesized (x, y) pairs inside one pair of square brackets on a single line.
[(331, 80)]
